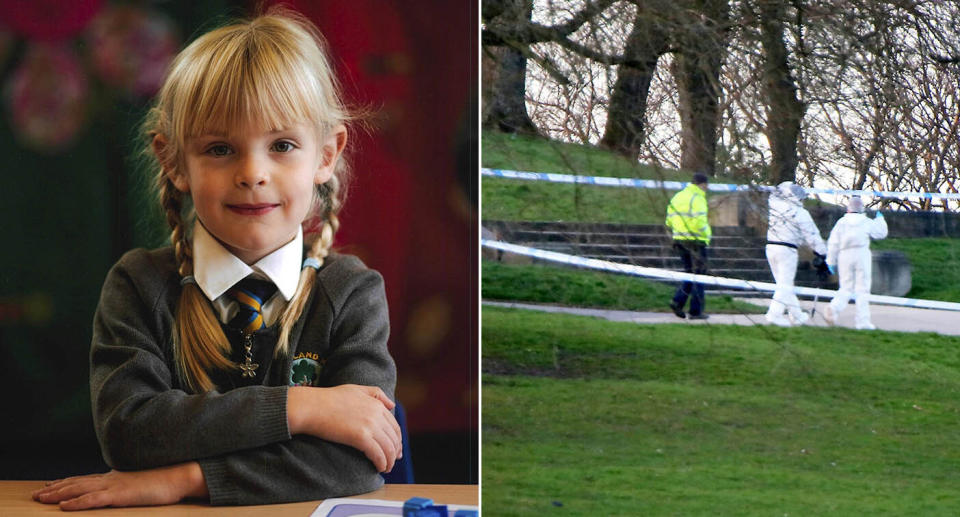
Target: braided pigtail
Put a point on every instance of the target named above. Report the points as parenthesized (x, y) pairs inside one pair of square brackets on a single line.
[(199, 342), (318, 251)]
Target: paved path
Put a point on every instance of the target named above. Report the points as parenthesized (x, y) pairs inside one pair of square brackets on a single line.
[(885, 317)]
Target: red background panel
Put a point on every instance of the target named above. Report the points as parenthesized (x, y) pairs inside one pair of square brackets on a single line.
[(409, 213)]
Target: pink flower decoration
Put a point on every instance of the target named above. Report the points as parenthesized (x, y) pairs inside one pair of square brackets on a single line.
[(46, 97), (132, 48)]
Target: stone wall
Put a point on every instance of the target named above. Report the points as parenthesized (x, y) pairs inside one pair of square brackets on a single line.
[(901, 224), (750, 209), (891, 273)]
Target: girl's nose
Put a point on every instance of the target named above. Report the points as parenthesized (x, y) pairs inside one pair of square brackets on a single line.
[(251, 172)]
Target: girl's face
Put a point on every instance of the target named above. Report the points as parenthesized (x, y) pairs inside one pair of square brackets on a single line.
[(252, 187)]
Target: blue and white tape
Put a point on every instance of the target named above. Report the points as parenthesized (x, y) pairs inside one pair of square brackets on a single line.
[(679, 185), (665, 274)]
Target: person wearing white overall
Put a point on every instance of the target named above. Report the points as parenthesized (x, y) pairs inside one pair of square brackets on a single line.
[(789, 227), (848, 253)]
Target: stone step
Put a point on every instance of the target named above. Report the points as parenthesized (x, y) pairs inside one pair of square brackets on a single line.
[(594, 228), (674, 262), (735, 252), (661, 239), (644, 251)]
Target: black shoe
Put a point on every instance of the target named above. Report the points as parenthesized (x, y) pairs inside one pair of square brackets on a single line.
[(698, 316), (678, 310)]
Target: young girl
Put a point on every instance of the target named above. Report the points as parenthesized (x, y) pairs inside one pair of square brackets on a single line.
[(203, 385)]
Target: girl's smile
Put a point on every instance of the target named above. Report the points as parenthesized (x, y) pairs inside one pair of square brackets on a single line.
[(253, 209)]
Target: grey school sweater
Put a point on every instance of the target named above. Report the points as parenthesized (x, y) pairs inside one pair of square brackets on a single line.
[(144, 418)]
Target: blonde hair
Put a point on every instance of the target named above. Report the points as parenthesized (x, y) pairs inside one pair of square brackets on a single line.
[(271, 71)]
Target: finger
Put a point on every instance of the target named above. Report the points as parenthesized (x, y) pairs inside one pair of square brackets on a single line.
[(61, 483), (74, 479), (50, 486), (389, 448), (395, 426), (378, 394), (392, 427), (97, 499), (47, 487), (375, 454), (71, 490), (395, 433)]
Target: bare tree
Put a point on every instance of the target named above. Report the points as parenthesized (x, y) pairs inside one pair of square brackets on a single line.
[(701, 43), (648, 40), (508, 25), (784, 109), (881, 100), (851, 93), (505, 71)]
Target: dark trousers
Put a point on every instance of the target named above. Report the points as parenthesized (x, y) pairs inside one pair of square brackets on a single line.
[(694, 257)]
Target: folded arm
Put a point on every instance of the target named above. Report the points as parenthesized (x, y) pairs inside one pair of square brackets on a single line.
[(142, 417), (335, 449), (255, 444)]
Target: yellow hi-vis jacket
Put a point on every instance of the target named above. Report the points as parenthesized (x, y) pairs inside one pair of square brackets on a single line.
[(687, 215)]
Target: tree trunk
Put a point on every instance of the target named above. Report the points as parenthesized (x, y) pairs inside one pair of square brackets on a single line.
[(505, 89), (784, 109), (628, 101), (697, 72)]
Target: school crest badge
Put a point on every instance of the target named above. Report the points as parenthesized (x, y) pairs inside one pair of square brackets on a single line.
[(305, 371)]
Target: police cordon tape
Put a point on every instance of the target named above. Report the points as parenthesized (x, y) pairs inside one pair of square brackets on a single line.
[(665, 274), (607, 181)]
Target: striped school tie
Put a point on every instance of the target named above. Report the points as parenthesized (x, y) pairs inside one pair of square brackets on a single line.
[(250, 295)]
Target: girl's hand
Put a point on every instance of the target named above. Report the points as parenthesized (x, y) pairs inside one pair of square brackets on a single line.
[(164, 485), (358, 416)]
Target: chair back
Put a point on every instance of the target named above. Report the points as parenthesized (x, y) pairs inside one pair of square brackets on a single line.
[(402, 472)]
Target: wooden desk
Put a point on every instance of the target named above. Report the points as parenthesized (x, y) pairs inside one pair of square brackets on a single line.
[(15, 501)]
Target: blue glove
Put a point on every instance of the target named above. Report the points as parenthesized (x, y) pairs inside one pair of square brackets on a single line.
[(832, 269), (879, 214)]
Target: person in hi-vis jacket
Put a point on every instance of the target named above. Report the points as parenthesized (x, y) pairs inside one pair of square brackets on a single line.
[(789, 226), (848, 254), (687, 220)]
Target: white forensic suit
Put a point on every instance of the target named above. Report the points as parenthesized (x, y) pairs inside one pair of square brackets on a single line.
[(789, 227), (848, 250)]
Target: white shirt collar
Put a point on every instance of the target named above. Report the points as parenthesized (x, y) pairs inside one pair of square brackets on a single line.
[(217, 270)]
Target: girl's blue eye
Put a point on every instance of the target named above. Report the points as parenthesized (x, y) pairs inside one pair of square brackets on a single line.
[(218, 150), (283, 147)]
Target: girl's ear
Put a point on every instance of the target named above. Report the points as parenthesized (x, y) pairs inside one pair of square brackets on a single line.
[(161, 151), (330, 149)]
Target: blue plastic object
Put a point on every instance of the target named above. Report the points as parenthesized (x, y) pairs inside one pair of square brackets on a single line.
[(423, 507), (402, 472), (416, 503)]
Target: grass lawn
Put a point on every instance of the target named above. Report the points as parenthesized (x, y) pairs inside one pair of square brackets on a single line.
[(526, 153), (513, 200), (585, 288), (935, 274), (587, 417)]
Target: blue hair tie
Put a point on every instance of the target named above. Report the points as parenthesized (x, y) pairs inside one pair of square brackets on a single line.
[(188, 280), (311, 262)]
